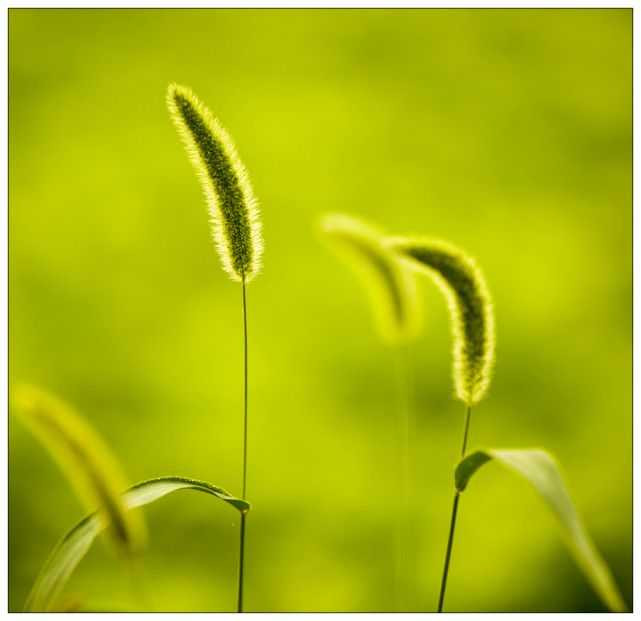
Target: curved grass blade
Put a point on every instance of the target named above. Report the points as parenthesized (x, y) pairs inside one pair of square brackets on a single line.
[(86, 461), (233, 207), (76, 543), (463, 284), (540, 469), (390, 286)]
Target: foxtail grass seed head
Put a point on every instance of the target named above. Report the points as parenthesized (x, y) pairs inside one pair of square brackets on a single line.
[(463, 284), (390, 285), (88, 464), (233, 208)]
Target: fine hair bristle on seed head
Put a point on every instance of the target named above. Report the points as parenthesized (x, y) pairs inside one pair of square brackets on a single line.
[(233, 207), (472, 315)]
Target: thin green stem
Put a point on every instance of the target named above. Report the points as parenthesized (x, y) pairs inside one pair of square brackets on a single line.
[(403, 528), (245, 400), (450, 539), (241, 567), (448, 553), (468, 415), (243, 517)]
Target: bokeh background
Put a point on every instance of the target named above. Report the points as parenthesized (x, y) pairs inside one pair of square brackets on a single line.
[(507, 132)]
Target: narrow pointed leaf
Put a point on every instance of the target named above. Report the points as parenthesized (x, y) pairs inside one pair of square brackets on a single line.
[(540, 469), (85, 459), (77, 542), (389, 284)]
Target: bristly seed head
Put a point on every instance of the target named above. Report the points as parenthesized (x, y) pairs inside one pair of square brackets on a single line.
[(389, 283), (232, 205), (470, 305)]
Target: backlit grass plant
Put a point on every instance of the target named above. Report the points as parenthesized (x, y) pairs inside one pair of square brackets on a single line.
[(237, 233), (391, 288), (236, 226), (387, 267), (472, 320), (97, 477)]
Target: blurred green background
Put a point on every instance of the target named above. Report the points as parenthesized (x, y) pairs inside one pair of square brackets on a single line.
[(507, 132)]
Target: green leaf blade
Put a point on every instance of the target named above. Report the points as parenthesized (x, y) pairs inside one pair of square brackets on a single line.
[(150, 490), (77, 542), (541, 471)]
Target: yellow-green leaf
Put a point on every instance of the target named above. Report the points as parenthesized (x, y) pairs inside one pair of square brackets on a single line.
[(540, 469), (76, 543)]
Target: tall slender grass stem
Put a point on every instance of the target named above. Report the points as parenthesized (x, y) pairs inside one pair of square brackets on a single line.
[(243, 517), (450, 539), (241, 566), (466, 432), (245, 400), (448, 553)]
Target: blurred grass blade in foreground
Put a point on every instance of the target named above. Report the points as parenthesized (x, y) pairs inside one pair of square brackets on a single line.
[(389, 284), (87, 462), (464, 287), (540, 469), (76, 543)]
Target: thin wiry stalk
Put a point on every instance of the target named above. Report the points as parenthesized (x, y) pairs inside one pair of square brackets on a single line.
[(241, 566), (448, 553), (245, 399), (450, 539), (243, 516), (404, 564), (468, 415)]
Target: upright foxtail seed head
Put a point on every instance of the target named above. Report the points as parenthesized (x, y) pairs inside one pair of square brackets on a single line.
[(390, 285), (233, 208), (470, 306)]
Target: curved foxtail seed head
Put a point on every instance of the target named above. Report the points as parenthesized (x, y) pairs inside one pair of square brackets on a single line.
[(233, 208), (81, 453), (390, 285), (470, 306)]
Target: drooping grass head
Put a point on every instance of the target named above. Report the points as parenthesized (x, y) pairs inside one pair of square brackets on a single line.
[(389, 283), (470, 306), (87, 462), (232, 205)]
